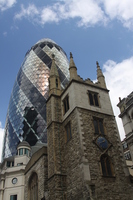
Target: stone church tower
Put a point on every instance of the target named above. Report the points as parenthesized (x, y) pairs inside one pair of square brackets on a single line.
[(85, 160)]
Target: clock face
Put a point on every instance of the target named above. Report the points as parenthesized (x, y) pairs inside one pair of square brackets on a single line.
[(14, 180), (102, 143)]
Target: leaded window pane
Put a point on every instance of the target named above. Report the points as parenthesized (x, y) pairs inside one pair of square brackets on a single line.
[(91, 99)]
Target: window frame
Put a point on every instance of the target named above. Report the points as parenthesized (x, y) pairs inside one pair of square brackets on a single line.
[(20, 151), (127, 155), (125, 145), (99, 125), (106, 166), (12, 197), (66, 105), (8, 163), (26, 151), (68, 132), (93, 98)]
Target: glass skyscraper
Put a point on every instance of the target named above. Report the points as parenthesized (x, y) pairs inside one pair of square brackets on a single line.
[(26, 115)]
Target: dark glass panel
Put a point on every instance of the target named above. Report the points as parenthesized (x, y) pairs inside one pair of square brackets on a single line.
[(47, 60), (13, 197), (12, 163), (95, 122), (8, 163), (35, 47), (57, 47), (20, 151), (50, 45), (63, 78), (26, 151), (101, 127), (41, 54), (65, 107), (108, 167), (103, 166), (91, 99), (67, 102), (31, 137), (96, 100), (42, 45)]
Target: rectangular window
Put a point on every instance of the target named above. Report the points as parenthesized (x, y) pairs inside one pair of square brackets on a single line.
[(124, 145), (66, 104), (98, 125), (127, 155), (68, 131), (20, 151), (26, 151), (13, 197), (107, 167), (93, 99), (8, 163)]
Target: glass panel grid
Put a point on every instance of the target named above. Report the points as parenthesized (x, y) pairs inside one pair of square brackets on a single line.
[(31, 90)]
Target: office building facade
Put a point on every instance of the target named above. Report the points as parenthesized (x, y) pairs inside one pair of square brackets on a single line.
[(26, 116)]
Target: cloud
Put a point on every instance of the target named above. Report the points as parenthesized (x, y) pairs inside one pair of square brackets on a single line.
[(48, 15), (6, 4), (30, 12), (86, 12), (119, 81), (1, 139), (121, 10), (37, 15)]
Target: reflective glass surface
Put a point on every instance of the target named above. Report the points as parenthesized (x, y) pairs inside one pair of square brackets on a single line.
[(26, 115)]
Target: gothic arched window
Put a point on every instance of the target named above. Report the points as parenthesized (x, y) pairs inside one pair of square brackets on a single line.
[(106, 165), (33, 187), (93, 98)]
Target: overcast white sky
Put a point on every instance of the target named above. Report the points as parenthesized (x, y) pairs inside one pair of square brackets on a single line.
[(92, 29)]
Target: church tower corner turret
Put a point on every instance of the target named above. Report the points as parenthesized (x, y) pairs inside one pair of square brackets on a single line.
[(100, 76), (54, 79), (72, 68)]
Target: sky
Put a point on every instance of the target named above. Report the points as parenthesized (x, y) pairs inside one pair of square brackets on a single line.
[(93, 30)]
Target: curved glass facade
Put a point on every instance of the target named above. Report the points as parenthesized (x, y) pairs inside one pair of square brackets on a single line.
[(26, 116)]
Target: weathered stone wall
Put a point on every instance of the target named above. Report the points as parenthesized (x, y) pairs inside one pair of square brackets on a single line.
[(74, 168), (73, 160), (116, 187), (98, 187), (53, 109), (55, 156), (56, 170), (39, 165)]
